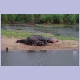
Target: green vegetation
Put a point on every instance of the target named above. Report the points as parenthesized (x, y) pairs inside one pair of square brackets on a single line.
[(66, 38), (69, 19), (24, 34), (15, 33)]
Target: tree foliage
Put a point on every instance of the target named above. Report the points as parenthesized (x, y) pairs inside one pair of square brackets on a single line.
[(41, 18)]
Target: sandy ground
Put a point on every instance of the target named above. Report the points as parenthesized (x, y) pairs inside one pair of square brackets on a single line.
[(62, 44)]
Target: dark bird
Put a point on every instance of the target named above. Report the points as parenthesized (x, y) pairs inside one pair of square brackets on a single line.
[(7, 49)]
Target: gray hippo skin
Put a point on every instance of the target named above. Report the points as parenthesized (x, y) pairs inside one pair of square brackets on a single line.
[(21, 41), (34, 40), (37, 40), (40, 38)]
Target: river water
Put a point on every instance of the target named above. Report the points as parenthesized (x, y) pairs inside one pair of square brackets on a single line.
[(40, 58), (62, 31)]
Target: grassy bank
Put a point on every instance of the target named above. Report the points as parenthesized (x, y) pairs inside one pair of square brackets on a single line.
[(57, 25), (24, 34)]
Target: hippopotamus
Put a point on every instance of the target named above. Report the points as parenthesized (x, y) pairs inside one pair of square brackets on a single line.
[(21, 41), (27, 41), (52, 40), (33, 40), (40, 38), (40, 43)]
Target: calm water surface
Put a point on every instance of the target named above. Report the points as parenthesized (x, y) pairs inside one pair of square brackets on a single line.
[(40, 58)]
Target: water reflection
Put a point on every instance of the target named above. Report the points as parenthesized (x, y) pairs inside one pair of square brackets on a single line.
[(77, 29), (50, 58), (34, 51), (43, 51), (75, 53), (31, 51)]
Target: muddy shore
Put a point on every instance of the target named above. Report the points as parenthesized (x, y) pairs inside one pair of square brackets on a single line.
[(62, 44)]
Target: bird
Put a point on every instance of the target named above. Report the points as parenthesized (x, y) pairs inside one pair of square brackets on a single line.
[(7, 49)]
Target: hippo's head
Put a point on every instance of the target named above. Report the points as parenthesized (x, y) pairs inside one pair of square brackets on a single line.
[(52, 40), (17, 41)]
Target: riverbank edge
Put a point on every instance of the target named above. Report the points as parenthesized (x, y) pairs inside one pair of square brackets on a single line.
[(43, 25)]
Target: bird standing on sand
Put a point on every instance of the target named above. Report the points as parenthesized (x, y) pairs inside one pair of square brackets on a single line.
[(7, 49)]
